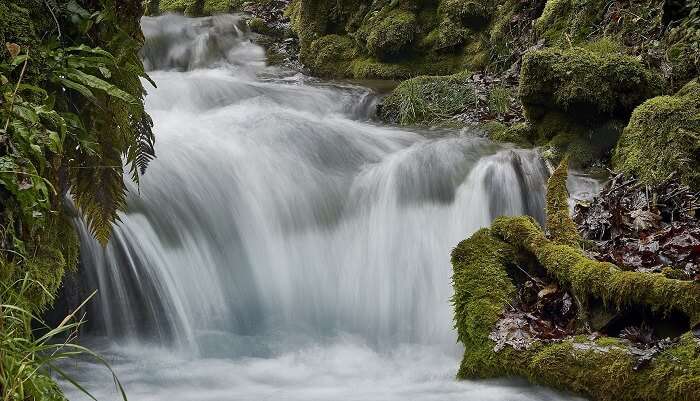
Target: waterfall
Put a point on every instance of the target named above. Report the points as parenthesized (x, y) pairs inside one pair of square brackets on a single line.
[(280, 230)]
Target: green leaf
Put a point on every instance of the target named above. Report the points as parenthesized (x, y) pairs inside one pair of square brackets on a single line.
[(32, 88), (105, 72), (97, 83), (55, 143), (26, 113), (87, 49), (19, 60), (82, 89), (74, 8)]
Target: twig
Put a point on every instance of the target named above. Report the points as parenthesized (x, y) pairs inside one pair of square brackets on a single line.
[(58, 26)]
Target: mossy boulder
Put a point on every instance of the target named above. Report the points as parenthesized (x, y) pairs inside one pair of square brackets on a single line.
[(583, 142), (259, 26), (663, 138), (330, 55), (584, 83), (389, 34), (578, 100), (407, 38), (427, 99)]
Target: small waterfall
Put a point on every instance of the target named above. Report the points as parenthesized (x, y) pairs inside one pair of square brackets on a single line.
[(276, 218)]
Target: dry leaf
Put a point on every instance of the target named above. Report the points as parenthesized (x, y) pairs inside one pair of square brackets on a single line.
[(548, 290), (643, 220), (13, 48)]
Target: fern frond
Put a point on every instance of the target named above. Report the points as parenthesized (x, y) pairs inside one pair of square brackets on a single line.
[(100, 194), (141, 148)]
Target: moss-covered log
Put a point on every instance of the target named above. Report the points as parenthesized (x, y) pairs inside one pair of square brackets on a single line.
[(488, 294), (600, 280), (559, 225), (604, 368)]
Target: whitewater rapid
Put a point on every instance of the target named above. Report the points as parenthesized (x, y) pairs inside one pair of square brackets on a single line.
[(282, 246)]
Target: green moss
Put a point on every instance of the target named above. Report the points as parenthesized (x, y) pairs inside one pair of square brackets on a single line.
[(588, 278), (176, 6), (476, 53), (191, 7), (391, 35), (370, 68), (330, 55), (482, 288), (16, 26), (559, 224), (584, 83), (445, 37), (520, 134), (471, 13), (663, 137), (605, 45), (218, 6), (51, 256), (259, 26), (576, 99), (427, 99), (567, 22), (603, 369)]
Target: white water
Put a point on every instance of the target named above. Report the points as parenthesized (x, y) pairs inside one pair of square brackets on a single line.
[(282, 247)]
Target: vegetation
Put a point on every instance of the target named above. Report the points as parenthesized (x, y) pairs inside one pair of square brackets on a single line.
[(191, 7), (71, 121), (486, 284), (28, 355), (559, 224), (428, 99), (663, 138), (595, 80), (584, 83)]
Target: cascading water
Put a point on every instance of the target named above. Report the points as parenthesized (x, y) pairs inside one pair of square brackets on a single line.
[(283, 247)]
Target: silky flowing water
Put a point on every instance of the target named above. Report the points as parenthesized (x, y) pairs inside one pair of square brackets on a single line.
[(284, 247)]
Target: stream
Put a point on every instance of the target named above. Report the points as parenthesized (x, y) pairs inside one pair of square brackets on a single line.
[(283, 246)]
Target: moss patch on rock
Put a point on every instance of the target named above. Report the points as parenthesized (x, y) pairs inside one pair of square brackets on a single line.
[(472, 14), (51, 256), (192, 8), (576, 99), (521, 134), (389, 35), (409, 32), (584, 83), (569, 21), (663, 138), (330, 55)]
